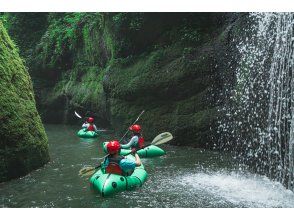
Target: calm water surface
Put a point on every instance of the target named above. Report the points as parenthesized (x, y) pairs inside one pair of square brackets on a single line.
[(184, 177)]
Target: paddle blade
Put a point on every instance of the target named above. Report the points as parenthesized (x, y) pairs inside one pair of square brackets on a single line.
[(162, 138), (78, 115), (86, 170), (88, 174)]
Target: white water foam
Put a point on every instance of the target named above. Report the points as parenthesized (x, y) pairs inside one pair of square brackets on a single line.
[(245, 190)]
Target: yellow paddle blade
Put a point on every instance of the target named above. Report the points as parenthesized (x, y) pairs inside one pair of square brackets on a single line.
[(88, 174), (86, 170), (162, 138)]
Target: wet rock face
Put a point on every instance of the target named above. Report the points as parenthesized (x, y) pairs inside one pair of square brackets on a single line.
[(23, 142)]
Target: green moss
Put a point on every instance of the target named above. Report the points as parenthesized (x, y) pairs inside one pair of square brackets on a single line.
[(188, 120), (172, 85), (4, 17), (86, 89), (24, 144), (26, 29), (121, 63)]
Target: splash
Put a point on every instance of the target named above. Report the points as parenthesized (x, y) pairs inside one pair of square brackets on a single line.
[(244, 190)]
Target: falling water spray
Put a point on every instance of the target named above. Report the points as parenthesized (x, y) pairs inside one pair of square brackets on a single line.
[(258, 120)]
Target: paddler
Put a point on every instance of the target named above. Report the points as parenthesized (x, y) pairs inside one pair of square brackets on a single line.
[(116, 164), (89, 125), (137, 140)]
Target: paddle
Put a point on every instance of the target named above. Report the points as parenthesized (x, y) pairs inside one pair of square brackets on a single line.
[(159, 139), (131, 125), (76, 114)]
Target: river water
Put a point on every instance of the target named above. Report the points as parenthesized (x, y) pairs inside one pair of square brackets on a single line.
[(184, 177)]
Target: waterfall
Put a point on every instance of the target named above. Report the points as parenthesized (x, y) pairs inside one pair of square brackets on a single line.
[(258, 122)]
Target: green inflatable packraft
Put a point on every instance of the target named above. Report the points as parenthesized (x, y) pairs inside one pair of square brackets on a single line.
[(150, 151), (83, 133), (107, 184)]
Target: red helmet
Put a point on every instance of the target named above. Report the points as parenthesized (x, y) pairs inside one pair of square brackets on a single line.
[(90, 120), (113, 147), (135, 128)]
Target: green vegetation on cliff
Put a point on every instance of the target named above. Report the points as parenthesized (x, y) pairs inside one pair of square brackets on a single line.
[(23, 142), (72, 55), (25, 34), (114, 65)]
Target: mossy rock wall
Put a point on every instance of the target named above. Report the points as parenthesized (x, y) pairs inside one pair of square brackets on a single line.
[(172, 87), (23, 141), (68, 65), (114, 65), (177, 83)]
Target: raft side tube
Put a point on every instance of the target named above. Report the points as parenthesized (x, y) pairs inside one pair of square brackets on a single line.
[(83, 133), (108, 184)]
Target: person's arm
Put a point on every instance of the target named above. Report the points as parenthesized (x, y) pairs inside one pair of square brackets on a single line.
[(85, 125), (105, 163), (133, 141), (95, 128), (138, 160)]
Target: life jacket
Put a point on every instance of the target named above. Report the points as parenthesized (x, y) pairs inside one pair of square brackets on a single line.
[(91, 127), (113, 165), (140, 143)]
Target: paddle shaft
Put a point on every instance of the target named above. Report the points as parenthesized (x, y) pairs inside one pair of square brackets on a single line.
[(139, 149)]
